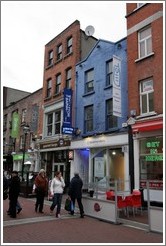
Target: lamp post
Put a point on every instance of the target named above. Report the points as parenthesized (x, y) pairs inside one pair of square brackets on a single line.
[(25, 130)]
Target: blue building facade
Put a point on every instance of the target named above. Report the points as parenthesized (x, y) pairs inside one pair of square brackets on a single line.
[(94, 87), (100, 111)]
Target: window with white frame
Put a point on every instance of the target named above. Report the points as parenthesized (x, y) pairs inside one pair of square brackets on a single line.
[(50, 58), (53, 123), (109, 73), (68, 78), (57, 83), (146, 96), (57, 122), (111, 120), (50, 124), (49, 86), (88, 124), (59, 52), (69, 45), (145, 42), (89, 81), (23, 116)]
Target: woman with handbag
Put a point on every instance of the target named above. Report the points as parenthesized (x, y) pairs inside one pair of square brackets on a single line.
[(57, 186)]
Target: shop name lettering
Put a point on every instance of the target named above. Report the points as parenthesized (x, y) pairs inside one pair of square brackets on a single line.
[(154, 156), (68, 105)]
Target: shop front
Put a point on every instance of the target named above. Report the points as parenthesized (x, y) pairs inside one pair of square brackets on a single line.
[(55, 157), (148, 153), (101, 158)]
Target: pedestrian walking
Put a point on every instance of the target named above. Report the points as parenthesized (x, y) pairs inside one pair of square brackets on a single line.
[(41, 184), (14, 190), (75, 193), (57, 187)]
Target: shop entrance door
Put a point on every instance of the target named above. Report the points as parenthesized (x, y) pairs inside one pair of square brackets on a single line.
[(58, 167)]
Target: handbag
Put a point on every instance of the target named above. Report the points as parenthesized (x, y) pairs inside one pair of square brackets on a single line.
[(68, 204), (5, 195)]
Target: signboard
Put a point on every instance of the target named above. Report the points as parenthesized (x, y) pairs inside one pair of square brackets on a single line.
[(15, 125), (117, 86), (99, 167), (34, 118), (67, 117), (152, 184), (67, 130)]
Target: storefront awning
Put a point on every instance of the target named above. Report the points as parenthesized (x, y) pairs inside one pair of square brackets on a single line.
[(148, 126)]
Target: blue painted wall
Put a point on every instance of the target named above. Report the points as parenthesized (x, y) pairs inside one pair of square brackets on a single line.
[(102, 52)]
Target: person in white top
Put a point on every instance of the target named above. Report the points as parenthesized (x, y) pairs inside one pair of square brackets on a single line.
[(57, 186)]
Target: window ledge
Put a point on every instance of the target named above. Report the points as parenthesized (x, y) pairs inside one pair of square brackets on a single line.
[(69, 54), (107, 87), (142, 58), (146, 115), (89, 93), (47, 98), (49, 66), (58, 61), (57, 94)]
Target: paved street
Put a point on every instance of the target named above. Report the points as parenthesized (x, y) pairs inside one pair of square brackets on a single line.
[(32, 227)]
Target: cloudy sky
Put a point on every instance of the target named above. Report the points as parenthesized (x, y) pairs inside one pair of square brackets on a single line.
[(26, 26)]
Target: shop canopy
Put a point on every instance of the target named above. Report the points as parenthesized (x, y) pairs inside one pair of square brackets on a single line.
[(147, 126)]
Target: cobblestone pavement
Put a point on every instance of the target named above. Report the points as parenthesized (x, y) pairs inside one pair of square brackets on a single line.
[(32, 227)]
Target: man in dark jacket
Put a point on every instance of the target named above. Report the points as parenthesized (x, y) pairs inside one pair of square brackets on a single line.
[(14, 190), (75, 192)]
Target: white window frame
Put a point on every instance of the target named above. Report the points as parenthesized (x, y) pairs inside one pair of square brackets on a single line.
[(23, 116), (109, 73), (145, 42), (53, 123), (146, 92), (89, 82)]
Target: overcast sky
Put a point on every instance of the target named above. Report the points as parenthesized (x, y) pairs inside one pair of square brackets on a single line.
[(27, 26)]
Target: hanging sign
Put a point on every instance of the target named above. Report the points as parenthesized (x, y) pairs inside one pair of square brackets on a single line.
[(117, 86)]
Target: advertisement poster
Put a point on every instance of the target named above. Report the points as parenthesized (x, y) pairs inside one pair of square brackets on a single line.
[(99, 167)]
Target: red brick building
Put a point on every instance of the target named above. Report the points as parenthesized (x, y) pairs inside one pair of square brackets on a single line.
[(61, 55), (21, 113), (145, 91)]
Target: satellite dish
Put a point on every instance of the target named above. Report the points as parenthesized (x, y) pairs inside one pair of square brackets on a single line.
[(89, 30)]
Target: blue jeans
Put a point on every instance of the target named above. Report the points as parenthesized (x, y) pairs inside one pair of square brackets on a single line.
[(57, 200)]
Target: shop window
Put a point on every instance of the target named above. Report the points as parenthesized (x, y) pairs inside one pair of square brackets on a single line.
[(111, 120), (109, 73), (89, 81), (151, 158), (88, 124), (146, 96), (145, 42)]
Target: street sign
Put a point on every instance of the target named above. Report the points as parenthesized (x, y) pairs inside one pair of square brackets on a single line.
[(67, 130)]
